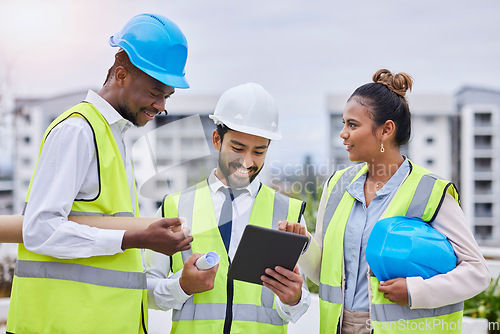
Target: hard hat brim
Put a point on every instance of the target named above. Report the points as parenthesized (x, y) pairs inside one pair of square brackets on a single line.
[(248, 129)]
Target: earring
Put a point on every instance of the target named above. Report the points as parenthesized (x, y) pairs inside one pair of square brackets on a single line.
[(382, 149)]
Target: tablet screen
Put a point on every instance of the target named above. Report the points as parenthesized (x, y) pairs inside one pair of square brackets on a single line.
[(262, 248)]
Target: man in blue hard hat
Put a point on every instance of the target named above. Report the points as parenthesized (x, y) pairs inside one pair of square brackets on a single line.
[(72, 278)]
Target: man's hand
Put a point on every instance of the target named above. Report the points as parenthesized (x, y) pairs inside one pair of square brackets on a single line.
[(286, 284), (194, 280), (292, 227), (395, 290), (163, 236)]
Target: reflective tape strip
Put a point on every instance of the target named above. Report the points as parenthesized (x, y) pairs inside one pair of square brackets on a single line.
[(241, 312), (81, 273), (395, 312), (421, 197), (267, 297), (186, 205), (99, 214), (280, 208), (337, 193), (332, 294), (93, 214), (266, 315)]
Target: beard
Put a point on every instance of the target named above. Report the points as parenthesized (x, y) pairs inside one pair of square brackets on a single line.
[(128, 115), (233, 180)]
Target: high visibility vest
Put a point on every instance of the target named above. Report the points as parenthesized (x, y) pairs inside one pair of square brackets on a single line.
[(101, 294), (231, 306), (420, 195)]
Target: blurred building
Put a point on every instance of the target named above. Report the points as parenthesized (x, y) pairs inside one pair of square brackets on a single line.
[(453, 136), (479, 160), (168, 154)]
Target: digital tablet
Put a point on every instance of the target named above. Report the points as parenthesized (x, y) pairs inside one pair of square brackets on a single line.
[(262, 248)]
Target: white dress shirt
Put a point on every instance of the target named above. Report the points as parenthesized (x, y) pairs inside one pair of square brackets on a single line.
[(67, 170), (165, 291)]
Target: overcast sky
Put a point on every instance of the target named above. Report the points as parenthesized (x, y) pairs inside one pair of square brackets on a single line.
[(298, 50)]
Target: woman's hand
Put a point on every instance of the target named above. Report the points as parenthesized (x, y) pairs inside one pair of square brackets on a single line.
[(395, 290), (292, 227)]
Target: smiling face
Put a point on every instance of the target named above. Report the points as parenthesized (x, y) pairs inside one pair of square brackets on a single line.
[(241, 157), (361, 140), (141, 96)]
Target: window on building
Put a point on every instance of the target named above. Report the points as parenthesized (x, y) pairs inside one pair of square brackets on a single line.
[(483, 210), (26, 139), (429, 119), (483, 187), (483, 232), (482, 118), (484, 142), (429, 162), (429, 140), (483, 164)]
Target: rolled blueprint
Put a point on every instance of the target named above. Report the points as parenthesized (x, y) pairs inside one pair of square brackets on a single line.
[(207, 261)]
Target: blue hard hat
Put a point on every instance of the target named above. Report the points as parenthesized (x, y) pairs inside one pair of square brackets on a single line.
[(408, 247), (156, 46)]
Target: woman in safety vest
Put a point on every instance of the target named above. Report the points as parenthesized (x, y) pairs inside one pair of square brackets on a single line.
[(386, 184)]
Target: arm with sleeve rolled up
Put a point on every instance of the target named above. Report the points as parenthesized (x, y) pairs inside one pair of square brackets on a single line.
[(471, 275)]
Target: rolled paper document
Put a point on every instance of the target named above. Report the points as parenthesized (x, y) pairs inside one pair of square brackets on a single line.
[(207, 261)]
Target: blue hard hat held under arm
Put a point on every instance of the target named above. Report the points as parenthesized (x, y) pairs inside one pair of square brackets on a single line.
[(156, 46), (408, 247)]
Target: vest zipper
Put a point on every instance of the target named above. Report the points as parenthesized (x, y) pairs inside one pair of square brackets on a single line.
[(143, 320), (229, 303), (229, 307)]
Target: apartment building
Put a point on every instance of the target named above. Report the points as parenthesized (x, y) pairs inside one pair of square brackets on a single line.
[(479, 163)]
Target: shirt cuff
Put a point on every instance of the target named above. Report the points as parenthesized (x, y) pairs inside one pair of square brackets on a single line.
[(174, 285), (409, 295), (294, 312), (108, 242)]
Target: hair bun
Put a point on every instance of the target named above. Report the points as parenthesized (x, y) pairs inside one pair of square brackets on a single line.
[(398, 83)]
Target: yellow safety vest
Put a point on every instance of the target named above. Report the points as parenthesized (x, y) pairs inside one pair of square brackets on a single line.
[(420, 195), (101, 294), (231, 306)]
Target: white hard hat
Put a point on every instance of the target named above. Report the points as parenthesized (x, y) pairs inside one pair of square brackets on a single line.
[(248, 108)]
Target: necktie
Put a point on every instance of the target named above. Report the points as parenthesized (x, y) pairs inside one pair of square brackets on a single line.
[(226, 219), (226, 216)]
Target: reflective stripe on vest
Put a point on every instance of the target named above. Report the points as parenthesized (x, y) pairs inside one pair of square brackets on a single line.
[(395, 312), (253, 305), (331, 294), (80, 273), (336, 194), (60, 295)]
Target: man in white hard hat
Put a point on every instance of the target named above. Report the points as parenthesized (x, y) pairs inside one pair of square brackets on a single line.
[(72, 278), (217, 211)]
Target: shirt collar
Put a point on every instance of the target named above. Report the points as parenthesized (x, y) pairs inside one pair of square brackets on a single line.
[(107, 111), (356, 188), (215, 184)]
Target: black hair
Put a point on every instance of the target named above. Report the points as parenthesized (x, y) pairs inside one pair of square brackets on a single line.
[(385, 97), (122, 59)]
